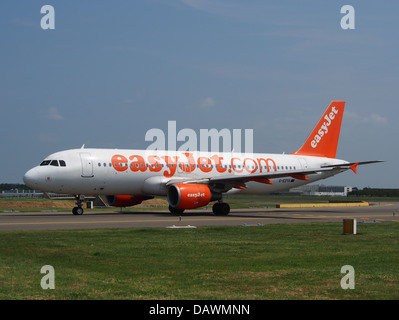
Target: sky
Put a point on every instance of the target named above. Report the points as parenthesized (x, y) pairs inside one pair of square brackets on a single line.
[(110, 71)]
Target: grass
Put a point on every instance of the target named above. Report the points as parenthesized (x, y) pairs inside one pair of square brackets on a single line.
[(298, 261), (160, 203)]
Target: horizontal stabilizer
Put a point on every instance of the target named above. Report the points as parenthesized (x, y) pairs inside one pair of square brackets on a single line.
[(352, 166)]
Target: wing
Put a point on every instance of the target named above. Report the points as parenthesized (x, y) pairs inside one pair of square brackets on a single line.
[(239, 181), (222, 183)]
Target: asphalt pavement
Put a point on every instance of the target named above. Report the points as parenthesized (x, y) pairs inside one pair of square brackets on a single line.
[(376, 212)]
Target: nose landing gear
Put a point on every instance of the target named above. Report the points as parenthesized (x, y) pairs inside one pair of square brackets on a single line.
[(79, 202)]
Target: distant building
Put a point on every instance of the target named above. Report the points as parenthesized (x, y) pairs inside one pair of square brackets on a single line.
[(321, 190)]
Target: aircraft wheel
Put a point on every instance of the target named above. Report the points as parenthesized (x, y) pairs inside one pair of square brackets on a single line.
[(77, 211), (175, 210), (225, 209), (221, 209)]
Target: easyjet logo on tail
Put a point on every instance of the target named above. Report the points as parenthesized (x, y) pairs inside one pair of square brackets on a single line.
[(324, 127), (323, 141)]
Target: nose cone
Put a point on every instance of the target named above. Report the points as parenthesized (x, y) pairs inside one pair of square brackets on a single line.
[(31, 178)]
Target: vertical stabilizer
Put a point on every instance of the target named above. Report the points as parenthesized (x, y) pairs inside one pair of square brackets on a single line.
[(323, 141)]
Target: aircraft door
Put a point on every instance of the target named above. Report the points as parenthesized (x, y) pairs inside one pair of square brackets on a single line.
[(303, 163), (87, 165)]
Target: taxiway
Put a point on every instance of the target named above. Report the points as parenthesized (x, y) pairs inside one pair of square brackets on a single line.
[(376, 212)]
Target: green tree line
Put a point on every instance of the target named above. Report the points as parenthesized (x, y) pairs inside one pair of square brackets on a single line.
[(374, 192), (10, 186)]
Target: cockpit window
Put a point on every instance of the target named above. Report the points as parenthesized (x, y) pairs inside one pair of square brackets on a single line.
[(54, 163)]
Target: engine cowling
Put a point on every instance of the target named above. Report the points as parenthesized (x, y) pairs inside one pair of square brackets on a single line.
[(190, 196), (124, 200)]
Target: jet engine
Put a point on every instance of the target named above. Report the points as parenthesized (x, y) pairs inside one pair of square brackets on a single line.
[(125, 200), (190, 196)]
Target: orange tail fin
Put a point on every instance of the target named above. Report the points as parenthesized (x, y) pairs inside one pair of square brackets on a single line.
[(323, 141)]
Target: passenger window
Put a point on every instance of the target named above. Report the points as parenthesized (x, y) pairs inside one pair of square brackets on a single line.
[(54, 163), (62, 163)]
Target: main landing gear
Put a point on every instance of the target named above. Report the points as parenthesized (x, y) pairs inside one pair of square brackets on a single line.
[(221, 208), (175, 210), (79, 202)]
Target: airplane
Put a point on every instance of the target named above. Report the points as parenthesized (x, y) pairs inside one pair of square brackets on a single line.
[(190, 179)]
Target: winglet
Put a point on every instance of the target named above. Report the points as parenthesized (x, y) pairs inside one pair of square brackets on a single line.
[(353, 167), (323, 141)]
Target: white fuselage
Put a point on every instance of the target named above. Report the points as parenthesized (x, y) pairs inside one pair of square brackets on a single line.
[(145, 172)]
